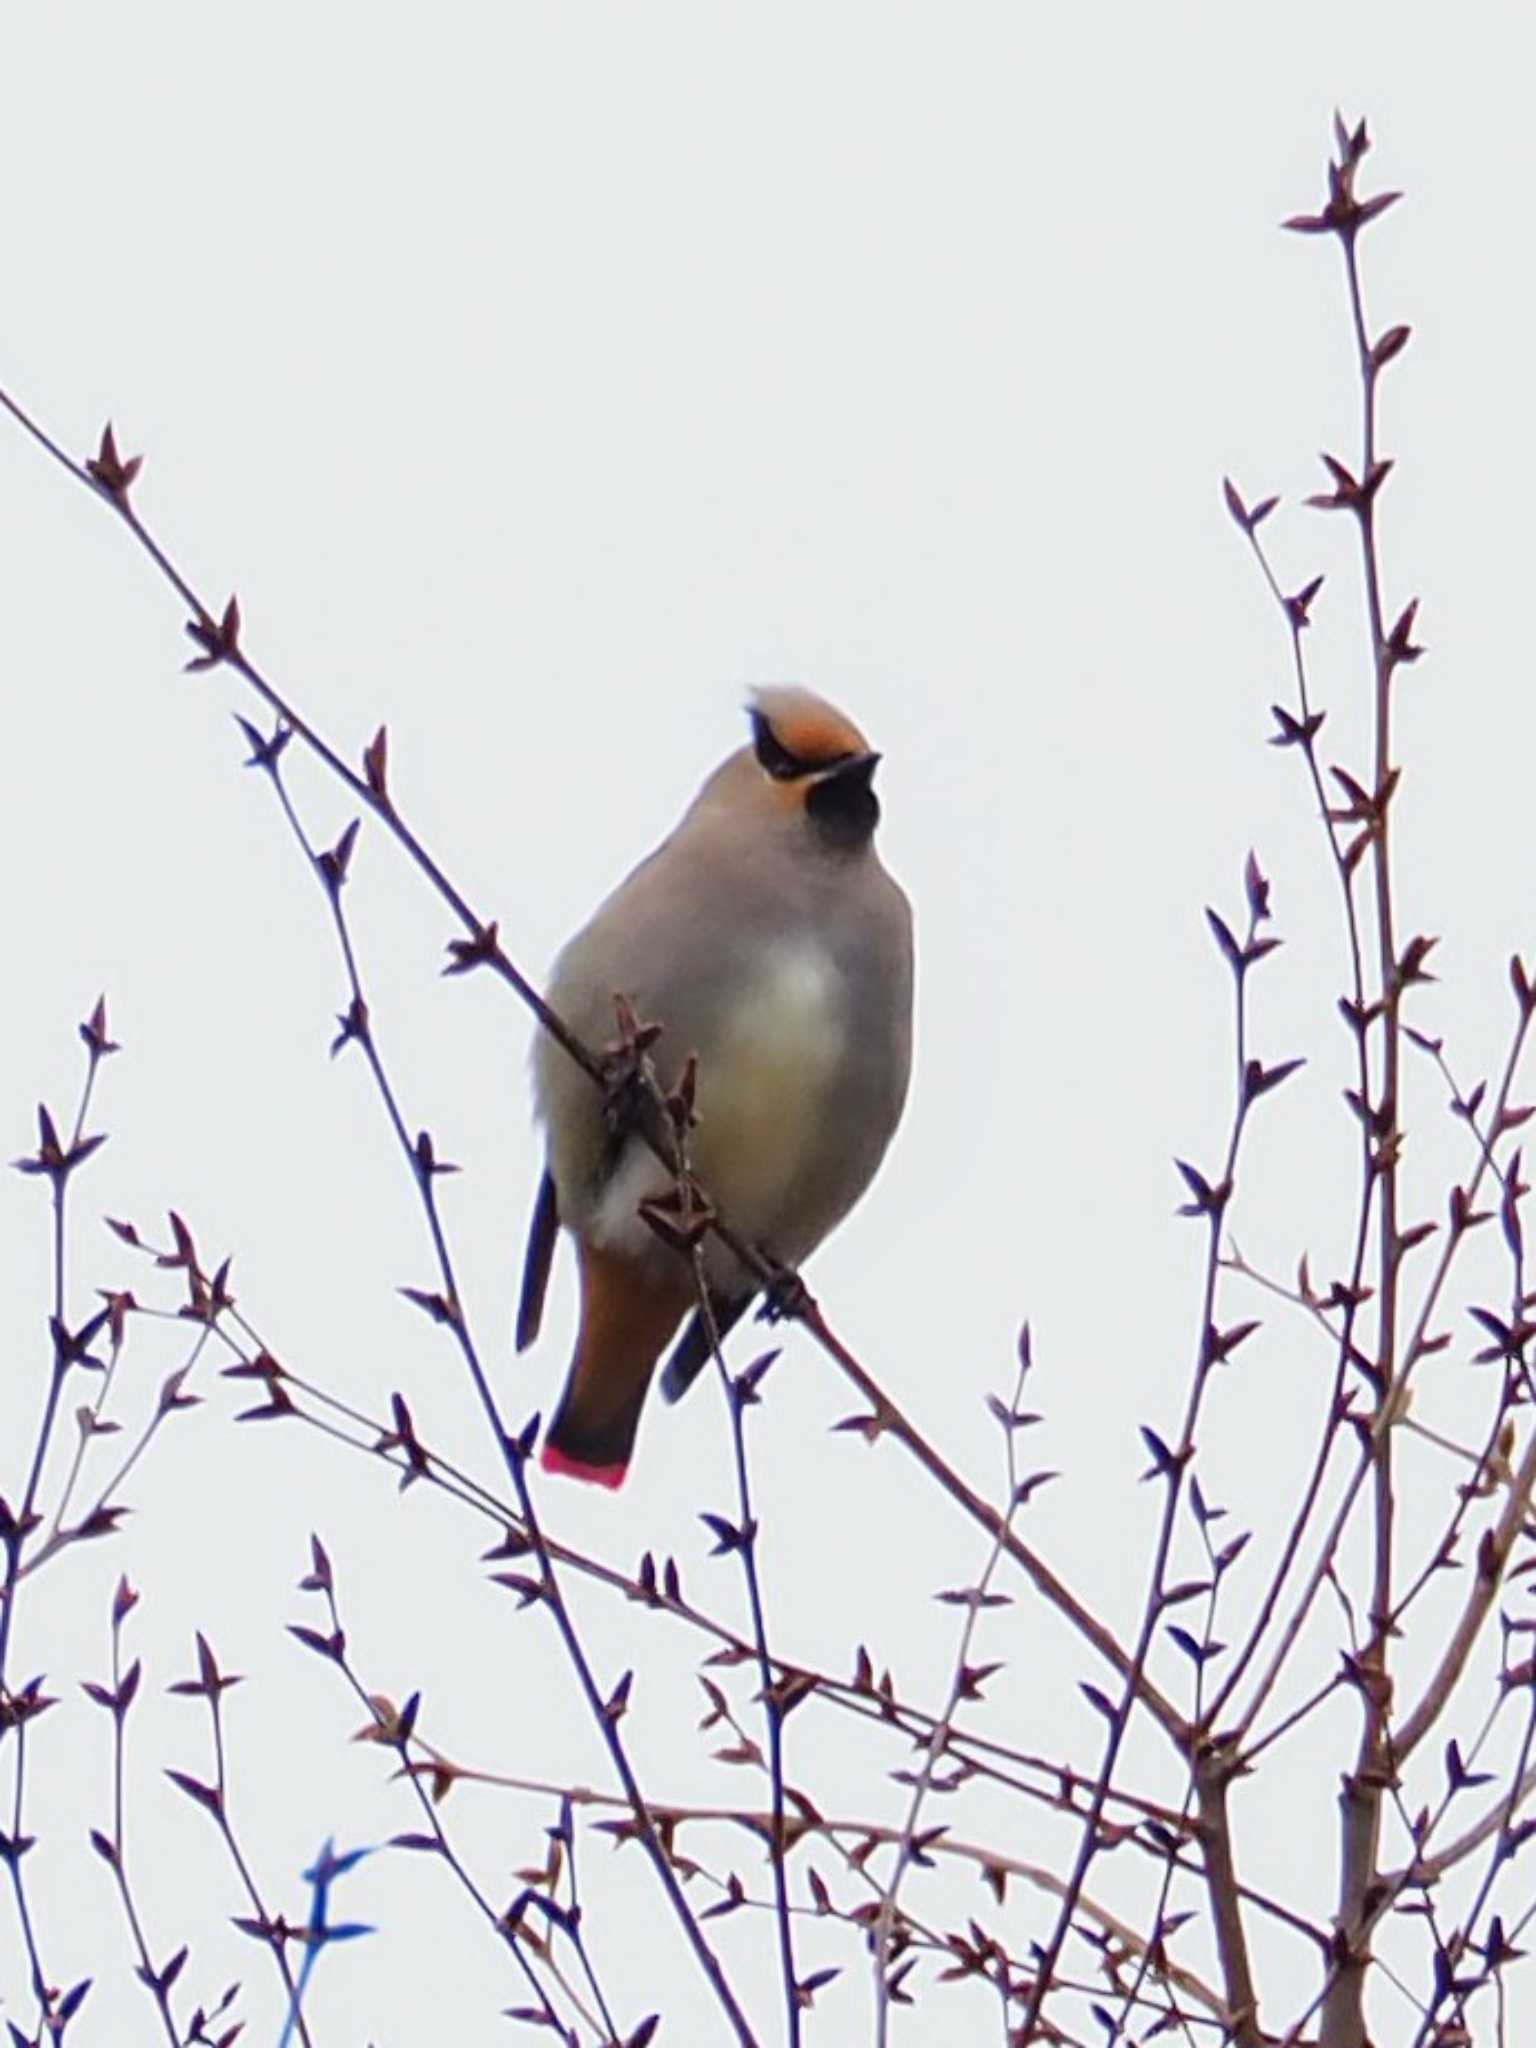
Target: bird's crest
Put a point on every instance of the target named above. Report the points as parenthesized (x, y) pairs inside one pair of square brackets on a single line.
[(808, 731)]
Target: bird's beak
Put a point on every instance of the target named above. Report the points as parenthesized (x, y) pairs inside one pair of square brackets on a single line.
[(858, 768)]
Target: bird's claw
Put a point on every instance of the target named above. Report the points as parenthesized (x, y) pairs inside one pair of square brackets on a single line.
[(785, 1295)]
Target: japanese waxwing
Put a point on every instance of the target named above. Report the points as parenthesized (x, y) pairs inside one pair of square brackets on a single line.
[(765, 937)]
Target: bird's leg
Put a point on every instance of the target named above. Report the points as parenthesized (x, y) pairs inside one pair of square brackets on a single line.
[(785, 1295)]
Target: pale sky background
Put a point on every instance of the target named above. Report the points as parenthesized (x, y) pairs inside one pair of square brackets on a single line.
[(543, 377)]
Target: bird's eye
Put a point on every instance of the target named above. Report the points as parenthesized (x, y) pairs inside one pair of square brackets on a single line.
[(772, 754)]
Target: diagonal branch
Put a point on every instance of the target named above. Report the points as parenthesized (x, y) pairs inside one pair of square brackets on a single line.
[(109, 480)]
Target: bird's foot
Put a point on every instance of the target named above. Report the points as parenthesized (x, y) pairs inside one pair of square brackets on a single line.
[(786, 1297)]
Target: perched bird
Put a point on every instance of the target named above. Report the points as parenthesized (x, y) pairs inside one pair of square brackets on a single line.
[(765, 937)]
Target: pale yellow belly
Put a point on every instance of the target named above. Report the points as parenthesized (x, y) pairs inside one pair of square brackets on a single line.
[(765, 1093), (765, 1101)]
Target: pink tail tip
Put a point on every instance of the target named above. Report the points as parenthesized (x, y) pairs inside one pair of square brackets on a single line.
[(553, 1459)]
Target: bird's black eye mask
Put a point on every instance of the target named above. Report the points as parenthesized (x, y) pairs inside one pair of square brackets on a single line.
[(776, 759), (772, 754)]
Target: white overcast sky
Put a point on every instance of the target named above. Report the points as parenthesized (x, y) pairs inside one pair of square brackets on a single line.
[(543, 377)]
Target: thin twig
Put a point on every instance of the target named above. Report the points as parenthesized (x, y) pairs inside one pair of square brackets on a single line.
[(963, 1684), (1210, 1200), (740, 1390), (448, 1308)]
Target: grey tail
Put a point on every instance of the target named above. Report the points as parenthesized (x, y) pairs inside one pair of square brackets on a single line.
[(542, 1232), (691, 1352)]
